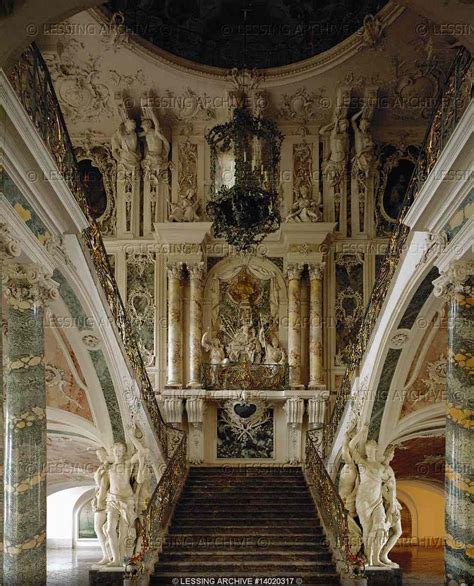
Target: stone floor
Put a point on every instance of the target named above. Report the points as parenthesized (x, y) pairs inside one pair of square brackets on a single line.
[(421, 566), (70, 567)]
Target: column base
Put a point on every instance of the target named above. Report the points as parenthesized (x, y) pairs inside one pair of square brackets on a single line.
[(175, 386), (296, 387), (194, 385), (106, 577), (315, 386), (377, 576)]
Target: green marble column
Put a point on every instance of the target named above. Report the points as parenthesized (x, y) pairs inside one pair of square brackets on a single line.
[(27, 288), (459, 285), (9, 249)]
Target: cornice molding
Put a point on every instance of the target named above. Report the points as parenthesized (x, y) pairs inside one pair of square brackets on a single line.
[(271, 76)]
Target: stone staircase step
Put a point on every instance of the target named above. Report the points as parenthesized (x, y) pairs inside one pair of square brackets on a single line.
[(249, 556), (234, 522), (307, 579)]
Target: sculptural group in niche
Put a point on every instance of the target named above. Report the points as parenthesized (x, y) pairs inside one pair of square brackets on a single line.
[(367, 488), (121, 493), (244, 344)]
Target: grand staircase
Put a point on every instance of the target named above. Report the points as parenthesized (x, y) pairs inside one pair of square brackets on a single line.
[(246, 522)]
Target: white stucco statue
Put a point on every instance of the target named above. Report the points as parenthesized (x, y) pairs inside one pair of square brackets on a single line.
[(369, 502), (214, 347), (186, 209), (157, 146), (348, 485), (126, 475), (273, 353), (392, 507), (244, 341), (99, 503), (348, 478), (364, 156), (334, 165), (125, 145), (305, 208)]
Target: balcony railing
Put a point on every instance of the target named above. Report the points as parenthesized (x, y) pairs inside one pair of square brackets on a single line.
[(236, 376), (32, 82), (452, 101)]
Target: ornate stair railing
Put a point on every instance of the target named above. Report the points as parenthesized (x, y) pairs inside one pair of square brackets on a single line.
[(330, 507), (33, 85), (451, 103)]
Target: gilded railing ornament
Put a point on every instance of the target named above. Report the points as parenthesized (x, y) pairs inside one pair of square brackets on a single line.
[(244, 375), (334, 515)]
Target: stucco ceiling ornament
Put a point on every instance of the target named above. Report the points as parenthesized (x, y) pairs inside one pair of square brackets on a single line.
[(90, 341), (304, 105), (56, 378), (399, 339), (437, 372), (416, 82), (77, 79), (114, 33), (371, 32)]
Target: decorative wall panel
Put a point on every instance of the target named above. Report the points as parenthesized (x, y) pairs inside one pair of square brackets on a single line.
[(349, 297), (141, 301)]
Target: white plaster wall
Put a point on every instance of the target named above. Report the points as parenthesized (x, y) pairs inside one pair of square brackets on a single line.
[(426, 504), (60, 526)]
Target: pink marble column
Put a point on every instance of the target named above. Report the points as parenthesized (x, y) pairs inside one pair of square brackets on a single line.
[(175, 326), (293, 274), (196, 275), (316, 326)]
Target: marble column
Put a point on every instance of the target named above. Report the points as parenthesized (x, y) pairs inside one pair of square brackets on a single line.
[(9, 249), (175, 326), (293, 273), (457, 283), (196, 274), (27, 288), (316, 326)]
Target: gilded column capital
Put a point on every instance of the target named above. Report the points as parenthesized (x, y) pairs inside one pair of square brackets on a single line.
[(196, 271), (316, 270), (294, 271), (176, 270), (453, 279), (27, 285), (9, 246)]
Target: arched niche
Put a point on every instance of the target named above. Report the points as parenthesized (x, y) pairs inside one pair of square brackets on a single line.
[(261, 270)]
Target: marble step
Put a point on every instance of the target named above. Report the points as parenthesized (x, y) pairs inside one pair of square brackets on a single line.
[(237, 542), (307, 578), (251, 521), (248, 556), (247, 500), (238, 529), (247, 470), (234, 509), (223, 567)]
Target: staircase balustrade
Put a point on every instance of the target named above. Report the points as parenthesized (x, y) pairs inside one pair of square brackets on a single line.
[(451, 102), (32, 83), (331, 508)]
